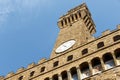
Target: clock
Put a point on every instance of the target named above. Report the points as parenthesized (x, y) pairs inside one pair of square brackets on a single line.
[(65, 46)]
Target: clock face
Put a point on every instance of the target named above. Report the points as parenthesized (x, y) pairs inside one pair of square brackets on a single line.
[(65, 46)]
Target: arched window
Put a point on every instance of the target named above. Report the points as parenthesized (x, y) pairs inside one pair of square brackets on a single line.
[(47, 78), (117, 55), (42, 69), (55, 77), (116, 38), (85, 71), (96, 64), (74, 73), (32, 73), (70, 57), (20, 78), (108, 60), (55, 63), (64, 75), (84, 51), (100, 44)]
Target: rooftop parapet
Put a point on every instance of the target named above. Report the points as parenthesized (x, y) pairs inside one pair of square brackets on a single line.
[(77, 8), (20, 70), (1, 77), (31, 65), (45, 60), (106, 32), (42, 60), (80, 7), (10, 74), (118, 26), (79, 14)]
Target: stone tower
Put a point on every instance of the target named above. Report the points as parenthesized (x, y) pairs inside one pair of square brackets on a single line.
[(77, 55), (76, 26)]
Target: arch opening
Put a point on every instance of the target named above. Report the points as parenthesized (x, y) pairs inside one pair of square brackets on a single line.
[(20, 78), (85, 71), (74, 73), (117, 55), (96, 64), (47, 78), (108, 60), (55, 77), (64, 75)]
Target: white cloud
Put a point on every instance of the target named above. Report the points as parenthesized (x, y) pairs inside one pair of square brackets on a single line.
[(5, 8), (31, 4), (8, 6)]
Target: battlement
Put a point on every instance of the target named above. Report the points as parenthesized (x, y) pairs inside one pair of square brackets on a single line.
[(20, 70), (82, 6), (31, 65), (106, 32), (1, 77), (10, 74), (118, 26), (46, 62), (78, 8), (79, 14), (42, 60)]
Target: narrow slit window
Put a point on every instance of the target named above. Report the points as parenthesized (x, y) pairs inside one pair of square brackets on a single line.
[(32, 73), (42, 69), (55, 63), (69, 58), (84, 51), (100, 44)]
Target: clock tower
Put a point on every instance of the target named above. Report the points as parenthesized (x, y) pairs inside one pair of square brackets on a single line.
[(76, 28)]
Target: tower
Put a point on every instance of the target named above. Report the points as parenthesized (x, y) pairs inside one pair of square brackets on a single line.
[(76, 28)]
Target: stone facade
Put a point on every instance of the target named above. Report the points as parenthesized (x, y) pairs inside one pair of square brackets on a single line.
[(89, 58)]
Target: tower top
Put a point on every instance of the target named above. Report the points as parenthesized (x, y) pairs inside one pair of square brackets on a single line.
[(75, 9), (76, 14)]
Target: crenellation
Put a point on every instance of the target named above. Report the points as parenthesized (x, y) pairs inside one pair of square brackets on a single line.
[(77, 8), (106, 32), (92, 41), (73, 16), (20, 70), (83, 14), (10, 74), (31, 65), (1, 77), (42, 60), (118, 26)]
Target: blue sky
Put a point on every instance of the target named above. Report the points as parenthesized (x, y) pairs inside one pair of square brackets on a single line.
[(28, 28)]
